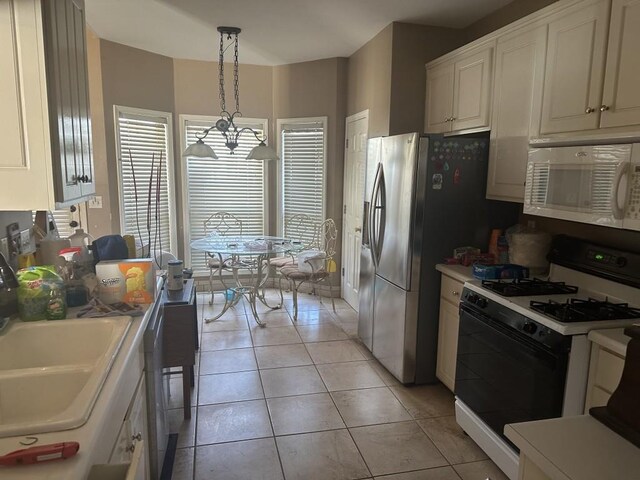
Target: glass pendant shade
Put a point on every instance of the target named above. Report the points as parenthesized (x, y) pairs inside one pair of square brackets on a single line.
[(200, 150), (262, 152)]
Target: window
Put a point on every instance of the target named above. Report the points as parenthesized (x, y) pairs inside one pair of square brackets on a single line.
[(144, 143), (302, 182), (231, 183), (63, 219)]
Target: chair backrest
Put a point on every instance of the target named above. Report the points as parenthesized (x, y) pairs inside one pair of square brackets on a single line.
[(223, 223), (301, 228), (328, 236)]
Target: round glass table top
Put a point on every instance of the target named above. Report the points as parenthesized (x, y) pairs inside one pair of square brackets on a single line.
[(244, 244)]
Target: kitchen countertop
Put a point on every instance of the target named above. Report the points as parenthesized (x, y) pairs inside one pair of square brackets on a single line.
[(612, 339), (113, 398), (576, 448), (457, 272)]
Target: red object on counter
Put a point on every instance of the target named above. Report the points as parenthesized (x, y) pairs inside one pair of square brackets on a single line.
[(43, 453)]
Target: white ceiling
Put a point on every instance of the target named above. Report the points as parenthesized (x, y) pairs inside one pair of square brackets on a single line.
[(274, 32)]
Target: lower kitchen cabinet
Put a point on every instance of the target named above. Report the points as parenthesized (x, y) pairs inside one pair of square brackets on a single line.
[(449, 322), (605, 371), (129, 459)]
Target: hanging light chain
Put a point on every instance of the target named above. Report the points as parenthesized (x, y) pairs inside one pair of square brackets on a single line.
[(236, 83), (223, 105)]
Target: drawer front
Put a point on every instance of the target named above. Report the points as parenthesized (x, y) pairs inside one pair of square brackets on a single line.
[(451, 289), (608, 371)]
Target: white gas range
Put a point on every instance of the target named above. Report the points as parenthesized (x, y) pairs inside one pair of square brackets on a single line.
[(523, 352)]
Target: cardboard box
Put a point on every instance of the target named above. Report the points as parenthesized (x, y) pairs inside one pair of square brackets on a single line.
[(130, 281)]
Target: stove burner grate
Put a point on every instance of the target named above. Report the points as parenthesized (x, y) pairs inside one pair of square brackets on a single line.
[(526, 287), (580, 310)]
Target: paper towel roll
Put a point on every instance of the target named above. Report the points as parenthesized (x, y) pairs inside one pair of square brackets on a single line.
[(48, 251)]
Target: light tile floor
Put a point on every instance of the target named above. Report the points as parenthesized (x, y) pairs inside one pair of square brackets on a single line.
[(307, 401)]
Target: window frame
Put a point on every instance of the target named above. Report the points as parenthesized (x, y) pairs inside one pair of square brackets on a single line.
[(211, 120), (280, 124), (171, 194)]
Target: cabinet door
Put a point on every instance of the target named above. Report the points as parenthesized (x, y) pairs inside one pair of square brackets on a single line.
[(517, 102), (447, 343), (439, 99), (621, 95), (69, 103), (575, 69), (25, 162), (472, 90)]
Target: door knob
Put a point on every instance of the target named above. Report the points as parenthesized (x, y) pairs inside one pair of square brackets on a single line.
[(604, 108), (590, 110), (358, 229)]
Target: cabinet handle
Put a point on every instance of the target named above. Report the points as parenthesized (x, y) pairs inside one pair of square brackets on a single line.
[(137, 436), (448, 119), (590, 110), (604, 108), (454, 293), (453, 119)]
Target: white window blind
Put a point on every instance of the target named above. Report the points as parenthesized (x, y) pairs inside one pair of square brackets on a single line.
[(230, 184), (303, 170), (143, 144)]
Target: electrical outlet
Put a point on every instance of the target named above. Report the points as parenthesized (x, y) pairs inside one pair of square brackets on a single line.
[(96, 202), (4, 247), (25, 242)]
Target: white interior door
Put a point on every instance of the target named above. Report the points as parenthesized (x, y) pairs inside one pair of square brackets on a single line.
[(354, 176)]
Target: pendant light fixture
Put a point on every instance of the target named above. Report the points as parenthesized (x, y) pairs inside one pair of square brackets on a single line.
[(225, 124)]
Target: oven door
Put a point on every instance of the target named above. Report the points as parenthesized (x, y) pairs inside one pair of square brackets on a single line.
[(505, 377)]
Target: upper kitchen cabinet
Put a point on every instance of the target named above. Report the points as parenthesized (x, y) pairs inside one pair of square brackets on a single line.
[(459, 91), (593, 68), (621, 95), (44, 105), (517, 102)]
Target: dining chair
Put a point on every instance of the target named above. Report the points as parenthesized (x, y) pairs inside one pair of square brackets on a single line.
[(301, 229), (221, 223), (316, 266)]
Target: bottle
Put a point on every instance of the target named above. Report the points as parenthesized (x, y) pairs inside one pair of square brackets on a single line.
[(56, 305)]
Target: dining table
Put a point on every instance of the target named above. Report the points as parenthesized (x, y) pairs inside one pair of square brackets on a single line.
[(244, 266)]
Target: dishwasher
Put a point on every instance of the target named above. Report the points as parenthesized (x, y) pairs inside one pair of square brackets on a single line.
[(156, 408)]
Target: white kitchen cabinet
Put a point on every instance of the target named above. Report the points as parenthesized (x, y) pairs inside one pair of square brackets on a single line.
[(459, 92), (593, 68), (439, 98), (517, 103), (605, 371), (128, 459), (44, 106), (449, 322), (621, 95)]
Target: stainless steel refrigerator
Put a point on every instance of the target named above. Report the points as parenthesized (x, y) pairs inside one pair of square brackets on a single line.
[(424, 196)]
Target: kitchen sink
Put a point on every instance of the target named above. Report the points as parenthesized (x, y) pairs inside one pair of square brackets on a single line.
[(51, 373)]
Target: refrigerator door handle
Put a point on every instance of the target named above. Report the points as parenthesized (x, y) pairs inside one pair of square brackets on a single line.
[(378, 214), (366, 238)]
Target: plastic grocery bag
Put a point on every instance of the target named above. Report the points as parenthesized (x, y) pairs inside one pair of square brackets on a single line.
[(34, 290)]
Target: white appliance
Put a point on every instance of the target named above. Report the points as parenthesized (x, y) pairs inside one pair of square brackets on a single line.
[(597, 184), (523, 352)]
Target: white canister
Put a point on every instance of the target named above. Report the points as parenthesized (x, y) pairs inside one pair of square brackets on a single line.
[(174, 275)]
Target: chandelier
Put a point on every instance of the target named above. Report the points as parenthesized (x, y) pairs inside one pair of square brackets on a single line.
[(225, 124)]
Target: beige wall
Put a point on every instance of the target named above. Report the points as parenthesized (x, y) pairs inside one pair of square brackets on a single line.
[(504, 16), (99, 218), (318, 89), (412, 47), (133, 78), (369, 81)]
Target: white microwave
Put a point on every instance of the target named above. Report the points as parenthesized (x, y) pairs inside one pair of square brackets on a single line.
[(597, 184)]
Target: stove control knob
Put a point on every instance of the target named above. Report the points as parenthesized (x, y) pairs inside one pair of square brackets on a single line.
[(473, 298), (482, 302), (530, 328)]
